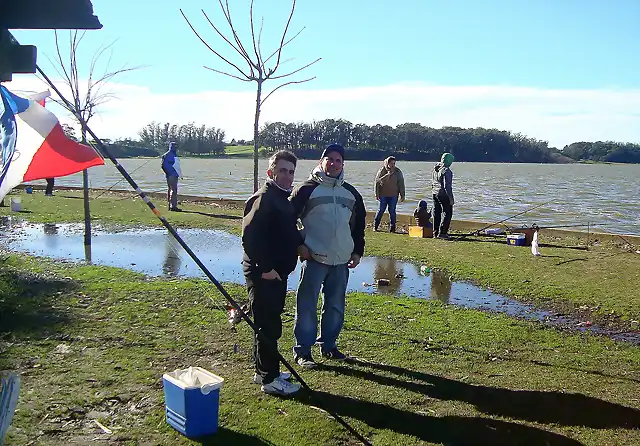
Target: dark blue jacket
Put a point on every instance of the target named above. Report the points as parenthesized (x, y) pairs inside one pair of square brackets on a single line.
[(168, 160)]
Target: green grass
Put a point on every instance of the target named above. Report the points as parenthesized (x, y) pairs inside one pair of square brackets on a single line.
[(424, 373)]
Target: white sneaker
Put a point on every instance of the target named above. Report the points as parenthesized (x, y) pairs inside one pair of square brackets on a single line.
[(257, 379), (280, 387)]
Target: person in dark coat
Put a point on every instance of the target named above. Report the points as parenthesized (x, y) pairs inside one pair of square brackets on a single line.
[(442, 190), (270, 239)]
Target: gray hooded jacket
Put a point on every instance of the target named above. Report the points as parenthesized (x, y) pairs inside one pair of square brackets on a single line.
[(333, 217)]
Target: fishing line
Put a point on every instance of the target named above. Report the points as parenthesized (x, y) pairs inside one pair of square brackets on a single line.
[(121, 179), (102, 149), (478, 231)]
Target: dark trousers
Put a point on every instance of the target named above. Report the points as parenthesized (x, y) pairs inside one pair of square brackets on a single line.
[(267, 303), (49, 189), (441, 205), (172, 192)]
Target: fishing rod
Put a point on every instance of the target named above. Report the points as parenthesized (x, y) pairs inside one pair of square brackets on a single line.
[(104, 150), (534, 226), (477, 231)]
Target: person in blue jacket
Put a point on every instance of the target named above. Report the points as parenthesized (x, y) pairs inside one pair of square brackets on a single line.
[(171, 168)]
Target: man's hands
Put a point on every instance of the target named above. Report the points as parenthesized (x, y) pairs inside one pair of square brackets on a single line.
[(353, 261), (401, 199), (303, 252), (271, 275)]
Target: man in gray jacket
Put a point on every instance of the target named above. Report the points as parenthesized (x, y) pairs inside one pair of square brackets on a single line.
[(333, 218)]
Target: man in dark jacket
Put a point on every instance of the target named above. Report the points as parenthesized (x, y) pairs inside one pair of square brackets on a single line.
[(442, 190), (333, 216), (270, 239)]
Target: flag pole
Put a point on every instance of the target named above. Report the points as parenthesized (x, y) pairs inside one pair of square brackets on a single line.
[(102, 149)]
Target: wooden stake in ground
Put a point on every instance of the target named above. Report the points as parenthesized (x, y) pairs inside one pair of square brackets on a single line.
[(256, 69)]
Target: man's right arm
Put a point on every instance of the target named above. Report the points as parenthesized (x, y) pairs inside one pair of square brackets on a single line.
[(376, 184), (300, 196), (255, 232)]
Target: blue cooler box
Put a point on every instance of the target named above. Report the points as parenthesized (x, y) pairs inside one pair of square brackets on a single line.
[(191, 398), (516, 239)]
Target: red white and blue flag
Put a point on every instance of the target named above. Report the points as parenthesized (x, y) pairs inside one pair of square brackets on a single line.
[(33, 144)]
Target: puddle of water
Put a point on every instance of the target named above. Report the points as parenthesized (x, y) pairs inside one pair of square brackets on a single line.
[(154, 252)]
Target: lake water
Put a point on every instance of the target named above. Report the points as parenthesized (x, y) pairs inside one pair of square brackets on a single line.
[(601, 194)]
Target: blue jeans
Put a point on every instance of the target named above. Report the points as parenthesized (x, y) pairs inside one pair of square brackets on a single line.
[(332, 279), (384, 202)]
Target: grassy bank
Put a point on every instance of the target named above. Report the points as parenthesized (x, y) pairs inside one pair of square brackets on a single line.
[(92, 343), (601, 283)]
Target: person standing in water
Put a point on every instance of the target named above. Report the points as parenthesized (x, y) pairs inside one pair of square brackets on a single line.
[(442, 190)]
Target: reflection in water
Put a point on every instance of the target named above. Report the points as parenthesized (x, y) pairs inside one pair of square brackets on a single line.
[(172, 261), (50, 230), (391, 270), (87, 253), (440, 286)]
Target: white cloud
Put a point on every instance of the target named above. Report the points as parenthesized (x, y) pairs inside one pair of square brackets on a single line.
[(558, 116)]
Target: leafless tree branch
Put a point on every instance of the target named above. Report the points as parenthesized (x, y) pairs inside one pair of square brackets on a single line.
[(211, 49), (87, 101), (227, 16), (253, 39), (228, 74), (238, 50), (296, 71), (284, 85), (285, 44), (284, 35)]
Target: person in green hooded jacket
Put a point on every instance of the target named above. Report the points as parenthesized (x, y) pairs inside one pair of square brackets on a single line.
[(442, 190)]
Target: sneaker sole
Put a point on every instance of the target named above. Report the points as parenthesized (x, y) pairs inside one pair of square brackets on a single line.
[(259, 381), (308, 366), (278, 393)]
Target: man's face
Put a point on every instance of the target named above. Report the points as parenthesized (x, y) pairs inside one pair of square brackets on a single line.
[(283, 173), (332, 164), (392, 164)]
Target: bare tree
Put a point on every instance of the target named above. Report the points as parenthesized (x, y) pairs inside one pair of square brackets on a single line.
[(256, 69), (85, 98)]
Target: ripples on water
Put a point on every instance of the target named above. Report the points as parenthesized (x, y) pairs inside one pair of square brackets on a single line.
[(602, 194)]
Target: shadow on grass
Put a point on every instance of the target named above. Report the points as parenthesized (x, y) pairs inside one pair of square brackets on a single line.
[(28, 303), (227, 437), (480, 353), (206, 214), (449, 430), (566, 409)]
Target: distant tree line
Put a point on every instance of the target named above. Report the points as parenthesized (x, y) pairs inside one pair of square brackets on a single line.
[(192, 139), (410, 141), (613, 152)]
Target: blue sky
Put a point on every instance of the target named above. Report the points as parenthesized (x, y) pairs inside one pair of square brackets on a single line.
[(537, 52)]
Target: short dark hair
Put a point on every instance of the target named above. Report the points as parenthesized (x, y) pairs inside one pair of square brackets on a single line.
[(392, 158), (282, 155)]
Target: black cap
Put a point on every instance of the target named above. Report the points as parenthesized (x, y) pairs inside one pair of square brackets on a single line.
[(333, 148)]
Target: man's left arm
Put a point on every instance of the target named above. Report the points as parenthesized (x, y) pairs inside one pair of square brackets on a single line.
[(358, 223), (401, 185)]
